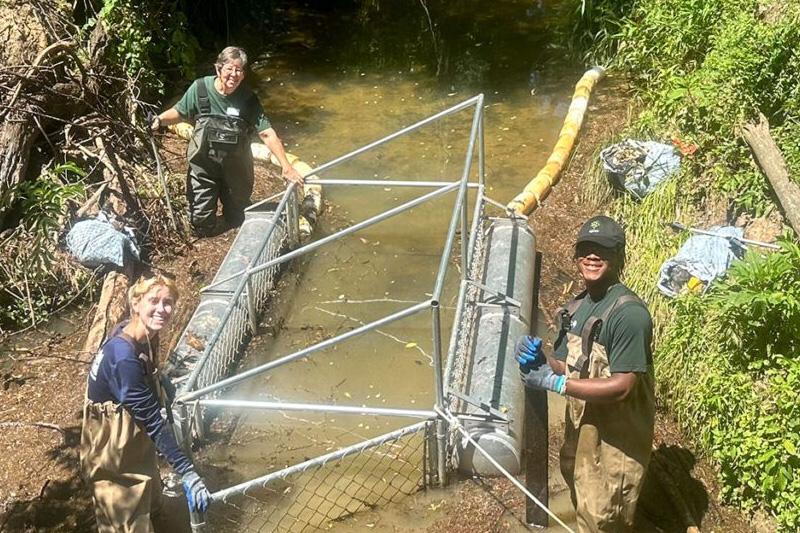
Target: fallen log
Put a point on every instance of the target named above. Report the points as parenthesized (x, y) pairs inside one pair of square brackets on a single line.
[(770, 160), (109, 312)]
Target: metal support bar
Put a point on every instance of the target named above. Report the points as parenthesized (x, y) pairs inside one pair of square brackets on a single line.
[(347, 409), (455, 423), (503, 207), (197, 521), (464, 238), (242, 488), (481, 153), (681, 227), (503, 297), (251, 307), (293, 219), (441, 425), (536, 428), (483, 406), (302, 353), (347, 231), (385, 183), (199, 427), (459, 203)]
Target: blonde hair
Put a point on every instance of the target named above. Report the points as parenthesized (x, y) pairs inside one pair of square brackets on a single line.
[(143, 286)]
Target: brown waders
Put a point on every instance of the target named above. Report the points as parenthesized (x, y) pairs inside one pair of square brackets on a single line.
[(606, 446), (119, 461)]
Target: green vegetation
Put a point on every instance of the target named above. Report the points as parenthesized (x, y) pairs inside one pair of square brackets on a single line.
[(143, 45), (728, 362), (36, 277), (728, 368)]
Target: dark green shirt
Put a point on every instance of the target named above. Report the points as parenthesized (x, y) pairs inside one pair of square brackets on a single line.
[(627, 335), (242, 103)]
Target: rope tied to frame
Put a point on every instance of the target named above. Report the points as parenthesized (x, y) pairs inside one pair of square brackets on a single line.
[(453, 421)]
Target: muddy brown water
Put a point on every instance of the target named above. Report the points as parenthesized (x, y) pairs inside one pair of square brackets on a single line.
[(327, 111)]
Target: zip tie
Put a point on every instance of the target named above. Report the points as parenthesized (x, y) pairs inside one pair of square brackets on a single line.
[(454, 421)]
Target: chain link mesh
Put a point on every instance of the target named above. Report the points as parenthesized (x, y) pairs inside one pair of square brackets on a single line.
[(465, 322), (221, 355), (319, 494)]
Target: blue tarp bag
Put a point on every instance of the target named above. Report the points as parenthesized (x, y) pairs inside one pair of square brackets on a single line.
[(700, 260), (97, 241)]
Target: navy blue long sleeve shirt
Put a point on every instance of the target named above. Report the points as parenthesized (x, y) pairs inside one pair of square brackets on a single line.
[(118, 375)]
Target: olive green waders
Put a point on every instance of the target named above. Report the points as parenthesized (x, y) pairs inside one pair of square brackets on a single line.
[(220, 167), (606, 446), (119, 460)]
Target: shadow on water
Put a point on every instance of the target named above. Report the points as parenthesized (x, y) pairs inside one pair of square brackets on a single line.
[(461, 43)]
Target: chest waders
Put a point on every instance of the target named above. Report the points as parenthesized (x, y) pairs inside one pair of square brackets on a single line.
[(119, 461), (220, 166), (606, 446)]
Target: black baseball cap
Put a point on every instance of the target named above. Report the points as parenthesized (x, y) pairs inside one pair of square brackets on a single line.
[(602, 230)]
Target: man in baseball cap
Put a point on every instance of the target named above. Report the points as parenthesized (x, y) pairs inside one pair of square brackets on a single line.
[(602, 363), (604, 231)]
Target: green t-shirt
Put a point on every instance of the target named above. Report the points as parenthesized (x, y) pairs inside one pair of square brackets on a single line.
[(627, 335), (241, 103)]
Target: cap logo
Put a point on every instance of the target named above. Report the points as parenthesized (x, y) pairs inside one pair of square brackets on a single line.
[(594, 226)]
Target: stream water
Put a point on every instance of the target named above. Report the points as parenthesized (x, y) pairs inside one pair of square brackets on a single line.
[(332, 83)]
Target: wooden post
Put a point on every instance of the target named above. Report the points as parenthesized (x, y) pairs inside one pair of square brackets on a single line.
[(536, 430), (769, 158)]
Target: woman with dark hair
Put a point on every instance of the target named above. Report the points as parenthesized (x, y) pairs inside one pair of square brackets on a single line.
[(122, 422), (226, 112)]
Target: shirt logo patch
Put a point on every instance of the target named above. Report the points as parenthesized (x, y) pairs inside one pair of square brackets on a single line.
[(96, 364), (232, 111)]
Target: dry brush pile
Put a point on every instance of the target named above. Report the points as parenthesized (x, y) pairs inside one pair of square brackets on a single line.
[(72, 141)]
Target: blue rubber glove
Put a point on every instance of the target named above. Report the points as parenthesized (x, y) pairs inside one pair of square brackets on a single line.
[(197, 494), (543, 377), (529, 353)]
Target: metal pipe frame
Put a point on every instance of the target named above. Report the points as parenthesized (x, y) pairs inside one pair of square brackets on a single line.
[(320, 408), (455, 423), (417, 125), (193, 376), (242, 488), (459, 215), (459, 204), (386, 183), (347, 231), (441, 429), (193, 395)]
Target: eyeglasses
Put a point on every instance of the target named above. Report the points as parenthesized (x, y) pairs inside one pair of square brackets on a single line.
[(229, 69)]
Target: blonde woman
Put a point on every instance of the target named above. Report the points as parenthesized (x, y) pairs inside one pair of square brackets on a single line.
[(122, 422)]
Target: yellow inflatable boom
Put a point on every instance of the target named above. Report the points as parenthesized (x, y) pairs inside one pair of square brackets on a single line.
[(539, 187)]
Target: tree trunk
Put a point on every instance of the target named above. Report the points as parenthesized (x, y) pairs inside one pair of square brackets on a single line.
[(769, 158), (110, 311), (16, 140)]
